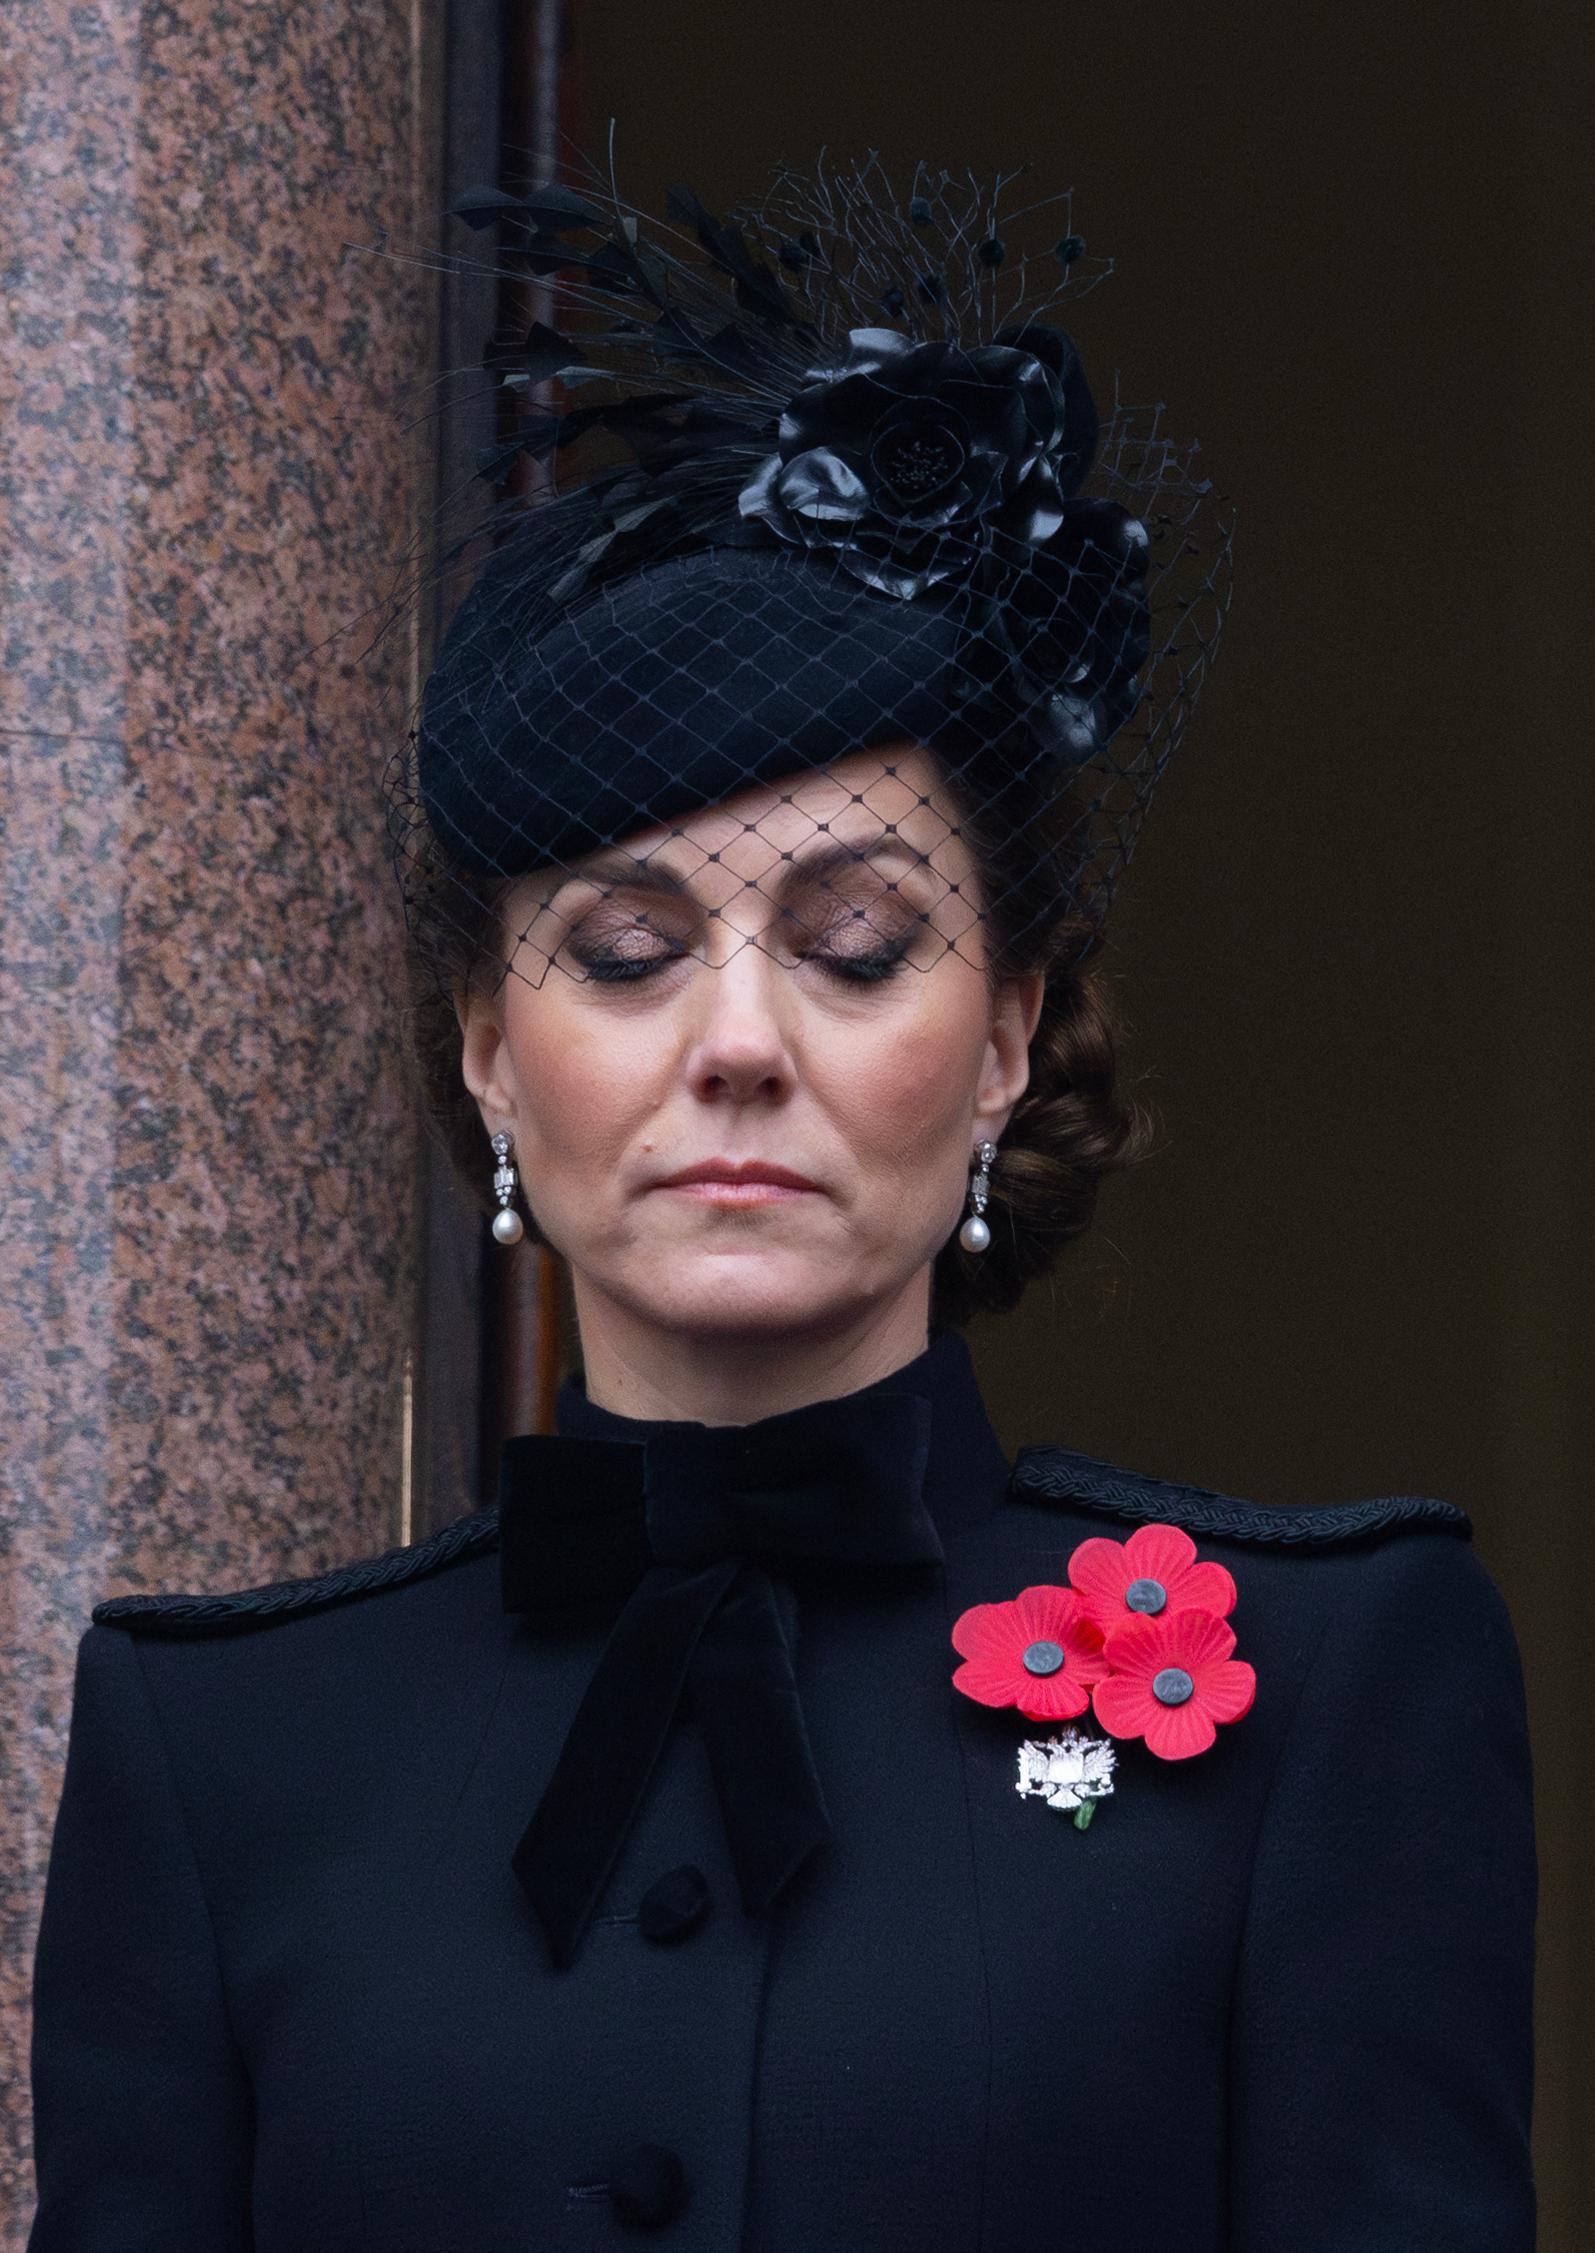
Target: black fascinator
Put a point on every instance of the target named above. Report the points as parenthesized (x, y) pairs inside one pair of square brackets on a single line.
[(833, 558)]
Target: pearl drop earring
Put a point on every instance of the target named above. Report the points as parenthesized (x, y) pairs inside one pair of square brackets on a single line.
[(508, 1227), (975, 1235)]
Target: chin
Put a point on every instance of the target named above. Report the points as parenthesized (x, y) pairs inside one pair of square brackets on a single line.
[(763, 1294)]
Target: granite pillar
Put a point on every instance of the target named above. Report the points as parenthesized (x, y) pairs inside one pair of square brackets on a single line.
[(208, 1134)]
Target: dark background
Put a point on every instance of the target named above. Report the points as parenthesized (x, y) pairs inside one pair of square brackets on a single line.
[(1354, 948)]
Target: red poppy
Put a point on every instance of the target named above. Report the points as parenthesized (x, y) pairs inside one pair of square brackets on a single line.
[(1040, 1651), (1172, 1677), (1152, 1574)]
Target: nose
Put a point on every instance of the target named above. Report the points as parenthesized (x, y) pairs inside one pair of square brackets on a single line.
[(740, 1050)]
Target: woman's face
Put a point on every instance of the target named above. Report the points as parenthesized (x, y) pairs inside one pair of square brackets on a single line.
[(841, 1068)]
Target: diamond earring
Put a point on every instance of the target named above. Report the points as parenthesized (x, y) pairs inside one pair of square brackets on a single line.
[(508, 1227), (975, 1235)]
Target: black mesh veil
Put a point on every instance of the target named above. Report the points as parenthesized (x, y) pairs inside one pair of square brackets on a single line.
[(842, 620)]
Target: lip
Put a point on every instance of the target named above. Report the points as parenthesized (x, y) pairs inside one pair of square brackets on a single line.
[(752, 1182)]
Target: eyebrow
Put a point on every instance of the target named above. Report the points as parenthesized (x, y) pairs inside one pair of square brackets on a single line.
[(617, 867)]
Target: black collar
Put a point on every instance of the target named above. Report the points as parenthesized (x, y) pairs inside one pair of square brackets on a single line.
[(966, 1470)]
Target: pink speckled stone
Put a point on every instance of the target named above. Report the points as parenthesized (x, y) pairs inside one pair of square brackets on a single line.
[(208, 1208)]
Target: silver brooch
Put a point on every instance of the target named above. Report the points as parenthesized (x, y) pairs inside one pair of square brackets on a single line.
[(1067, 1771)]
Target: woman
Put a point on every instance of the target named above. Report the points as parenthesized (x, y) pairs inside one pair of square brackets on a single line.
[(778, 1823)]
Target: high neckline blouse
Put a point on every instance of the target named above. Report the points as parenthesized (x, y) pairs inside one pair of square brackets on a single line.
[(966, 1469)]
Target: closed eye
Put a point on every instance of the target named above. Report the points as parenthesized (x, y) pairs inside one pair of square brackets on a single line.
[(617, 945)]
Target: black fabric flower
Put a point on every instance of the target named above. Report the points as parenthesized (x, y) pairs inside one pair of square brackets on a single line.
[(1078, 627), (909, 459)]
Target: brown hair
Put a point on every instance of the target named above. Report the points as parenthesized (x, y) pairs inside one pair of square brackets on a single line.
[(1070, 1127)]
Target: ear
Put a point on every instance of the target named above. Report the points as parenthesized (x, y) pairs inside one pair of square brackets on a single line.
[(486, 1064), (1005, 1074)]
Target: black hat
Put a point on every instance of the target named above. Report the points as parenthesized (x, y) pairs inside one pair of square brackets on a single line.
[(863, 497)]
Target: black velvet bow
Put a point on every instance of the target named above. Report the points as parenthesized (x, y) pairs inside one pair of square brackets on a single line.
[(682, 1522)]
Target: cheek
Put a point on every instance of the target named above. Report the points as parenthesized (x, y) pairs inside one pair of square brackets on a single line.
[(583, 1091), (904, 1096)]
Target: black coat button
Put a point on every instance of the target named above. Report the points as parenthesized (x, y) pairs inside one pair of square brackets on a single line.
[(648, 2186), (673, 1904)]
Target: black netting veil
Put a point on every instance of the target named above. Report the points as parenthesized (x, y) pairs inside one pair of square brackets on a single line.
[(839, 617)]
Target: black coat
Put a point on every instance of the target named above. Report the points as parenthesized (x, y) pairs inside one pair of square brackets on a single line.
[(291, 1996)]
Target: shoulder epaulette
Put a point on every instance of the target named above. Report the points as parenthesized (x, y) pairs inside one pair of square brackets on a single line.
[(239, 1609), (1058, 1474)]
